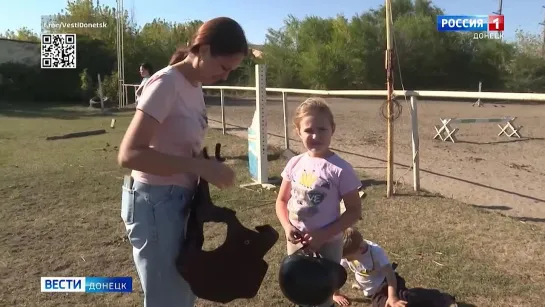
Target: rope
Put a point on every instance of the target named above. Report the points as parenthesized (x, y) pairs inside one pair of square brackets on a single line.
[(397, 107)]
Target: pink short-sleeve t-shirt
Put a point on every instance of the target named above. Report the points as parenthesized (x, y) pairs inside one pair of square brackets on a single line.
[(180, 109), (317, 188)]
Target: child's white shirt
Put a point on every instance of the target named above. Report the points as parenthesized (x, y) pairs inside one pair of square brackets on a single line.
[(366, 268)]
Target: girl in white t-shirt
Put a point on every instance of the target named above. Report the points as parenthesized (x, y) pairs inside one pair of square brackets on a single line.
[(371, 267)]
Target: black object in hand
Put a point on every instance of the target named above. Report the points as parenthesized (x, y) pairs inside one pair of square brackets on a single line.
[(235, 269)]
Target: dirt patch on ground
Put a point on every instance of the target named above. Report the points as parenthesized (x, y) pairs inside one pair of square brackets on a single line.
[(498, 173)]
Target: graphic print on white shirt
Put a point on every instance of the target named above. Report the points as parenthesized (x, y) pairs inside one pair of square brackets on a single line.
[(366, 268)]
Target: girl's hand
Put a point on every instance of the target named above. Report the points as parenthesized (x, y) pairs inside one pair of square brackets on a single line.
[(314, 240), (293, 235), (341, 300)]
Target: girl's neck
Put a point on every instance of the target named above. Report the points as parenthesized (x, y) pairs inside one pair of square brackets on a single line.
[(325, 154), (187, 69)]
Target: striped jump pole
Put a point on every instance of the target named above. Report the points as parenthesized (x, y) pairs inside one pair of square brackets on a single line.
[(446, 132)]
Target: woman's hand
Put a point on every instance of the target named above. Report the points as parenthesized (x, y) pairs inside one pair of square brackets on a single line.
[(216, 173)]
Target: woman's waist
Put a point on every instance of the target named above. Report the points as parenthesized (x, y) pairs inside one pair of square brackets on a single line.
[(186, 181), (186, 149)]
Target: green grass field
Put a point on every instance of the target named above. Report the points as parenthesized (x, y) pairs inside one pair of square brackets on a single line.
[(60, 216)]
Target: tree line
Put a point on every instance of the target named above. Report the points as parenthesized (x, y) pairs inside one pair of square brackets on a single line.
[(313, 52)]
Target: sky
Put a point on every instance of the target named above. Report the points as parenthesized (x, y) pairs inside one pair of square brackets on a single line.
[(258, 16)]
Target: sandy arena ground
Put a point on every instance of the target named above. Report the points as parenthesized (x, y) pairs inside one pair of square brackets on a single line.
[(482, 169)]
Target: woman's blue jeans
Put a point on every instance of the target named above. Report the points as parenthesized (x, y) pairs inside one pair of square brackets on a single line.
[(155, 220)]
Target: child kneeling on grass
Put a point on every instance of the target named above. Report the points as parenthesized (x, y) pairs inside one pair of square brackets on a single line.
[(372, 269)]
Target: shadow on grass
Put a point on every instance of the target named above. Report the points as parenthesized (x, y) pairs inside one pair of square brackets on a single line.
[(502, 208), (499, 208), (523, 139), (530, 219), (368, 301), (367, 183)]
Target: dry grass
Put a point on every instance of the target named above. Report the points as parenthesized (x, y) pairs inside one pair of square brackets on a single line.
[(59, 216)]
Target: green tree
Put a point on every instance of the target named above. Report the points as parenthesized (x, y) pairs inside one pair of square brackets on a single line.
[(321, 53), (22, 34)]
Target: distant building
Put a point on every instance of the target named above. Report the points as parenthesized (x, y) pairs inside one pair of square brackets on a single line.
[(22, 52)]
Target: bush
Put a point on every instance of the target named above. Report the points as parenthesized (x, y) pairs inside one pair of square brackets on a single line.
[(110, 85)]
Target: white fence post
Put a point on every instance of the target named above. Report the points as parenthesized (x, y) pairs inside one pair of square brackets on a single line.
[(478, 103), (415, 143), (257, 132), (261, 109), (285, 106), (222, 111)]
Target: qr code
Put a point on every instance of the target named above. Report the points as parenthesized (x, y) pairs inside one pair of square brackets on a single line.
[(58, 51)]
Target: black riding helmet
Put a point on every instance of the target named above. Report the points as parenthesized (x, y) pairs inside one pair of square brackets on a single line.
[(308, 279)]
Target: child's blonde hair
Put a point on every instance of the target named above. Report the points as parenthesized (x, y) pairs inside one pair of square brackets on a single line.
[(313, 104), (352, 240)]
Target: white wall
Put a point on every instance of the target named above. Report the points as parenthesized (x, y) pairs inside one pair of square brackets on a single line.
[(19, 52)]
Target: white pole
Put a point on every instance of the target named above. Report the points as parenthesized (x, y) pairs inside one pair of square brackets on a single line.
[(285, 107), (478, 102), (121, 75), (415, 144), (118, 41), (222, 111), (261, 104)]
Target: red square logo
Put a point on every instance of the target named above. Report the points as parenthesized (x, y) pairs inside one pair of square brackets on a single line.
[(496, 23)]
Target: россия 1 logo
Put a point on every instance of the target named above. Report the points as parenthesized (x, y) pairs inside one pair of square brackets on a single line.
[(492, 25)]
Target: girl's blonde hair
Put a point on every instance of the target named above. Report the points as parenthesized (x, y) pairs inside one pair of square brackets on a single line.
[(352, 240), (313, 104)]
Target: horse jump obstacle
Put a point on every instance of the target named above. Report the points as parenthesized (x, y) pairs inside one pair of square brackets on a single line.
[(446, 132)]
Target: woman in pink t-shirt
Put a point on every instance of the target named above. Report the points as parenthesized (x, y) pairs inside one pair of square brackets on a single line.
[(162, 147)]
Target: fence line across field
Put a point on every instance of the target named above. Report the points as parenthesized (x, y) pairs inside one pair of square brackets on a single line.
[(259, 117)]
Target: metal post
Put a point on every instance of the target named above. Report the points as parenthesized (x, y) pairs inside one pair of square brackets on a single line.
[(499, 12), (390, 88), (118, 46), (121, 75)]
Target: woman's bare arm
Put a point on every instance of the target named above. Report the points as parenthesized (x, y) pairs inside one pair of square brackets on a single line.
[(135, 152)]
